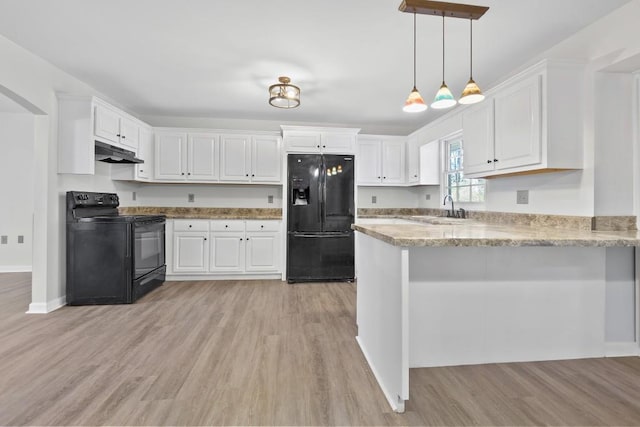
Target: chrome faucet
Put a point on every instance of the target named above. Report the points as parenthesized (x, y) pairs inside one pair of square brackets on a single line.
[(451, 213)]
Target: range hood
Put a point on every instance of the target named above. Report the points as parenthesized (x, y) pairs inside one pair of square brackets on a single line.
[(111, 154)]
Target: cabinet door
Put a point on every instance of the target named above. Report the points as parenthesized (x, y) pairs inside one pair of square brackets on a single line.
[(144, 170), (517, 125), (171, 156), (413, 161), (235, 156), (369, 162), (477, 136), (129, 134), (430, 163), (337, 143), (107, 124), (227, 252), (266, 159), (393, 162), (262, 252), (203, 157), (190, 252), (302, 142)]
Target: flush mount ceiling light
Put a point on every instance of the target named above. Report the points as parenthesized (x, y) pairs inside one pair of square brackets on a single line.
[(444, 98), (414, 103), (284, 94)]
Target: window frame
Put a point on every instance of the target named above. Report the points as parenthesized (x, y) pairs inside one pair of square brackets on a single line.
[(445, 144)]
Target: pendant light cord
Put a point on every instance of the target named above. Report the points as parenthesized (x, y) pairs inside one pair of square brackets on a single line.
[(414, 50), (443, 48), (471, 50)]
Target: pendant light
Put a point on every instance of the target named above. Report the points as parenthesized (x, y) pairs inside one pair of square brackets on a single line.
[(414, 102), (444, 97), (471, 93)]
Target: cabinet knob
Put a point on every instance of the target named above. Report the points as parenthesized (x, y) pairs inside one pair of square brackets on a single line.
[(190, 225), (226, 226), (378, 177), (247, 239), (124, 137), (118, 135), (262, 226), (241, 239), (205, 238), (253, 175), (495, 160), (317, 146), (188, 173), (324, 146), (182, 173), (488, 161), (141, 170), (384, 177), (247, 175), (415, 176)]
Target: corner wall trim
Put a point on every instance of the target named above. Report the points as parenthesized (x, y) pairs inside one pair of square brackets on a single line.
[(48, 307)]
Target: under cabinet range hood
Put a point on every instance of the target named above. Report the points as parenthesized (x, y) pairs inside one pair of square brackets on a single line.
[(111, 154)]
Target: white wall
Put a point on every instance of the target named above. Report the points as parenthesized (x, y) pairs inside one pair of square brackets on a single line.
[(206, 195), (391, 197), (16, 189)]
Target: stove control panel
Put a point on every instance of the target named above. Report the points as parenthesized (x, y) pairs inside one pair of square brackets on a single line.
[(86, 199)]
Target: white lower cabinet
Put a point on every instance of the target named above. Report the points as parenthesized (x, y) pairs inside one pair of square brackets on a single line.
[(225, 248)]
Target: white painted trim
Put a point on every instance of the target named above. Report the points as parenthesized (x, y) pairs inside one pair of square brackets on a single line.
[(15, 269), (404, 262), (48, 307), (395, 402), (218, 277), (621, 349)]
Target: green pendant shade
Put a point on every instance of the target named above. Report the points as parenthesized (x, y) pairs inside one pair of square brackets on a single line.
[(444, 98)]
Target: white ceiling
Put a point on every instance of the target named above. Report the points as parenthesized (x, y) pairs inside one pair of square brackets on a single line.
[(351, 58)]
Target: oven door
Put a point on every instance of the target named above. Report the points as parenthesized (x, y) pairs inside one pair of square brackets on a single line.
[(149, 246)]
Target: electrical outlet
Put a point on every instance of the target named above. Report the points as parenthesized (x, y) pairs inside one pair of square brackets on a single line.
[(522, 197), (269, 199), (133, 195), (191, 198), (374, 199), (4, 240), (20, 239), (428, 197)]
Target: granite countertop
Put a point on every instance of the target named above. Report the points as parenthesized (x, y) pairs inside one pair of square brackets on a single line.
[(438, 232), (204, 213)]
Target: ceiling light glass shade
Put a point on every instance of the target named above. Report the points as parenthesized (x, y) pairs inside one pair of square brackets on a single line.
[(444, 98), (283, 94), (471, 94), (414, 103)]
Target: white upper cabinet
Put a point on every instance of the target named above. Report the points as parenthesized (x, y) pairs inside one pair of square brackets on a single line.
[(266, 159), (303, 139), (182, 157), (247, 158), (413, 160), (530, 123), (171, 156), (146, 153), (381, 160), (84, 120), (112, 127), (202, 157)]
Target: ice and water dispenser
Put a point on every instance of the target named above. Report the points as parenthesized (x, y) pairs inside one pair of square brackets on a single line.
[(299, 192)]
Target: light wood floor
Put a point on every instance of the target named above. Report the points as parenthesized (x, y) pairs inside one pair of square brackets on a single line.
[(265, 353)]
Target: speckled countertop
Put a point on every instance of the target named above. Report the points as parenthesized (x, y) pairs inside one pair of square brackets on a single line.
[(204, 213), (438, 232)]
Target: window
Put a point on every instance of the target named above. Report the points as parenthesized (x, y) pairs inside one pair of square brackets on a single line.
[(469, 190)]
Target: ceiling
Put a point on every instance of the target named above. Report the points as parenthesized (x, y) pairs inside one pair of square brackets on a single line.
[(8, 105), (352, 59)]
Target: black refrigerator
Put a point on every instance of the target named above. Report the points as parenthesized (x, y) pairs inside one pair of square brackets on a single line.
[(320, 212)]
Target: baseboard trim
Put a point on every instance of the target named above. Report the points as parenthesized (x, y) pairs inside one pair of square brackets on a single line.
[(188, 277), (15, 269), (622, 349), (48, 307), (395, 405)]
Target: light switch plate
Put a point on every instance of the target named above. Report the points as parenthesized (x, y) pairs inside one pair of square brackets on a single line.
[(133, 195), (20, 239), (4, 240), (191, 198), (522, 197), (428, 197), (374, 199), (269, 199)]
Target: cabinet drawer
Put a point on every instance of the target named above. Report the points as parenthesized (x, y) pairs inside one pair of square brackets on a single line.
[(263, 225), (190, 225), (230, 225)]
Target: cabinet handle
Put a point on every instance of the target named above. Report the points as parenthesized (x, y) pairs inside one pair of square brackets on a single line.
[(495, 160), (124, 137), (488, 161)]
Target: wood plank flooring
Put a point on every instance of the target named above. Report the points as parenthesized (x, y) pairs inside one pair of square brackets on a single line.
[(265, 353)]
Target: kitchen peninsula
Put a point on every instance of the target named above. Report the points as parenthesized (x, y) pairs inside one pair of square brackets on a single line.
[(464, 292)]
